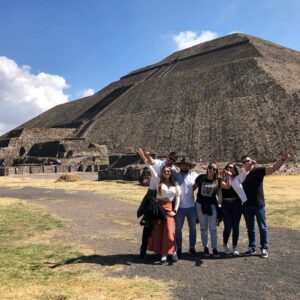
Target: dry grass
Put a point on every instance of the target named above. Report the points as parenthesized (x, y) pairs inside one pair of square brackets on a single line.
[(121, 190), (283, 200), (25, 255), (69, 177)]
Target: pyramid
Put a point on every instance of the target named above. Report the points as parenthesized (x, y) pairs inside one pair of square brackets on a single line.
[(214, 102)]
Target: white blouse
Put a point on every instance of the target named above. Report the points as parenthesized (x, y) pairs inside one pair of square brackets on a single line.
[(168, 192)]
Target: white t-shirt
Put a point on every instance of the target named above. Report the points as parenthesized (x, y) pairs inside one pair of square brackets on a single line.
[(186, 182)]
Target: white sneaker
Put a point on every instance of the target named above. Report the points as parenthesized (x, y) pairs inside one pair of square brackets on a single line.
[(174, 256), (227, 250), (235, 252), (264, 253), (163, 258)]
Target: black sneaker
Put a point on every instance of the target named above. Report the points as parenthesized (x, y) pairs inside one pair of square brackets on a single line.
[(192, 251), (216, 253), (179, 253), (206, 251), (250, 251)]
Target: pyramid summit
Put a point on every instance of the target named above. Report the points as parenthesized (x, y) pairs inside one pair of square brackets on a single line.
[(214, 102)]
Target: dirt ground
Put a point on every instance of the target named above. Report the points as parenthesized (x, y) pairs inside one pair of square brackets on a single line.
[(110, 228)]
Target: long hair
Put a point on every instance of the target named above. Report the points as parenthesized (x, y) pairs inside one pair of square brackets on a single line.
[(235, 168), (163, 179), (216, 174)]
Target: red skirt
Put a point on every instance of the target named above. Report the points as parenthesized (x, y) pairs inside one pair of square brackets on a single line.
[(162, 240)]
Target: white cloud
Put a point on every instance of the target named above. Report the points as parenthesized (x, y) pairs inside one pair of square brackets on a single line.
[(24, 95), (87, 92), (187, 39)]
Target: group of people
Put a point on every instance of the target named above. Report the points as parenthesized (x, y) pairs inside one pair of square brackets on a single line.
[(221, 195)]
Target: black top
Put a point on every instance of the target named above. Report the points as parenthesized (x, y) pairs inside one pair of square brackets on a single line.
[(207, 189), (230, 193), (253, 187)]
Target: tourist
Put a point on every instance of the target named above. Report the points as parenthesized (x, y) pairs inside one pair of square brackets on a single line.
[(150, 196), (207, 206), (187, 209), (255, 205), (232, 208), (162, 239)]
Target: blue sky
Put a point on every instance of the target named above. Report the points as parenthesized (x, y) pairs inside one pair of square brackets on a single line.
[(59, 50)]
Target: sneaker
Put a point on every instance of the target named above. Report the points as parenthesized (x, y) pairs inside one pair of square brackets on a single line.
[(250, 251), (227, 250), (235, 252), (179, 253), (174, 256), (264, 253), (216, 253), (206, 251), (192, 251), (163, 259)]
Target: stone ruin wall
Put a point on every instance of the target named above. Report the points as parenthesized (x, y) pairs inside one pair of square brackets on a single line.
[(38, 169), (18, 141)]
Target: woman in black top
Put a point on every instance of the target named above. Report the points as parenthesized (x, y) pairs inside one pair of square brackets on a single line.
[(232, 212), (206, 205)]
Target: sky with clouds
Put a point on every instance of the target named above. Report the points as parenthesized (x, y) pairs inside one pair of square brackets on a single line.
[(54, 51)]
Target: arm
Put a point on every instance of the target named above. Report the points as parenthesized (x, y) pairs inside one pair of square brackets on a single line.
[(284, 156), (177, 197), (146, 157), (226, 184)]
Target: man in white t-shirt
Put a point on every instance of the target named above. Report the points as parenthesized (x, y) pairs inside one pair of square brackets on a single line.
[(186, 179), (158, 165)]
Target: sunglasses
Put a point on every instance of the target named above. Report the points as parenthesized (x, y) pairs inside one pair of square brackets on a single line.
[(229, 167), (212, 168), (166, 172), (246, 161)]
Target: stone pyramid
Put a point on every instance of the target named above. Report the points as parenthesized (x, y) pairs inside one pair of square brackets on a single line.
[(214, 102)]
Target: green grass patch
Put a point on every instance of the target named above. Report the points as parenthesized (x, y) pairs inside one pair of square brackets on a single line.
[(20, 259), (20, 221)]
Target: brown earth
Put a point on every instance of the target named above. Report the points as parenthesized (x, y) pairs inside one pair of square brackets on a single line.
[(110, 228)]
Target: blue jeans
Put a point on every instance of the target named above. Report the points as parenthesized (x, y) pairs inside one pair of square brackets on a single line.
[(258, 211), (190, 213), (232, 212)]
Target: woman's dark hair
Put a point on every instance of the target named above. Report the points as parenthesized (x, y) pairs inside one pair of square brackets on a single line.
[(216, 174), (235, 168), (163, 179), (173, 154), (245, 156)]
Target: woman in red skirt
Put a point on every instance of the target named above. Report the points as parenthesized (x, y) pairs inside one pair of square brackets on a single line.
[(162, 240)]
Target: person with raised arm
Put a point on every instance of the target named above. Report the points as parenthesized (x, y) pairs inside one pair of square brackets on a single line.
[(255, 204), (149, 198)]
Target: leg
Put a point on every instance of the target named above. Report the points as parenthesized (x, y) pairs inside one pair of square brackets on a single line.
[(212, 223), (227, 218), (203, 225), (145, 239), (236, 214), (249, 214), (179, 221), (261, 222), (191, 217)]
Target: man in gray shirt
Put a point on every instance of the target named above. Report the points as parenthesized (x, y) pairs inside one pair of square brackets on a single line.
[(186, 179)]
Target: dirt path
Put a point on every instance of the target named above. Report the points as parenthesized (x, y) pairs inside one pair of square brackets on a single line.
[(110, 228)]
